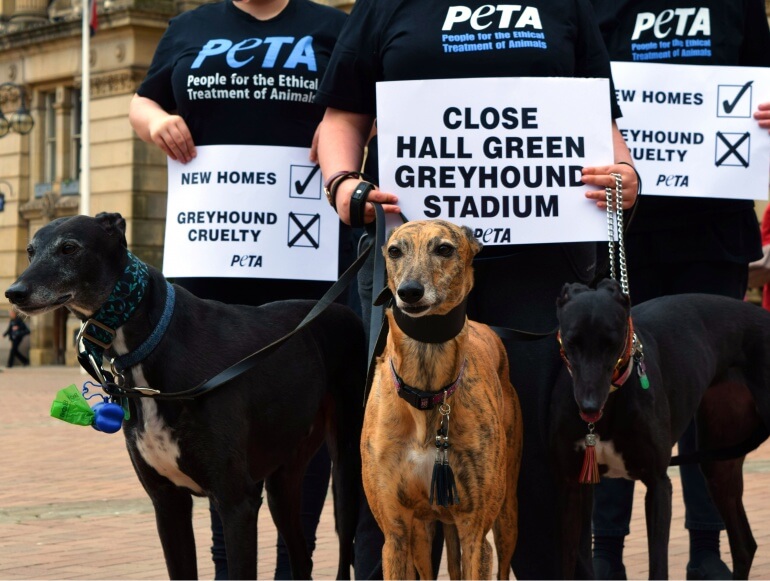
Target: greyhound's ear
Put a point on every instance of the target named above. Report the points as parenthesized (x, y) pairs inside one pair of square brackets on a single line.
[(475, 245), (569, 290), (613, 287), (114, 224), (563, 297)]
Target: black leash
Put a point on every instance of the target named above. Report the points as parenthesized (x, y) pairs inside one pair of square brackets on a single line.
[(250, 361)]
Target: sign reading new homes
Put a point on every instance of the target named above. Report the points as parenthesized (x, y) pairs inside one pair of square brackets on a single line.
[(502, 156), (249, 212), (691, 131)]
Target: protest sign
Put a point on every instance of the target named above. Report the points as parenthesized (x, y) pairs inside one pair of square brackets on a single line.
[(249, 212), (500, 155), (690, 128)]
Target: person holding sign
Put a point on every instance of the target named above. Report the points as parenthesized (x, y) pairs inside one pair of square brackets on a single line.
[(243, 72), (664, 256), (515, 285)]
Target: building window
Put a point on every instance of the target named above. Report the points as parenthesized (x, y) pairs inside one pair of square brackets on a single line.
[(74, 150), (49, 131)]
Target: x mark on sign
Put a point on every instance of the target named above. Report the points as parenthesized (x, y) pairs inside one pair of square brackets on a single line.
[(732, 149), (304, 229)]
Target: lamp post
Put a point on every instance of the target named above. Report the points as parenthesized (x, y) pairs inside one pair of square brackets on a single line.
[(20, 121)]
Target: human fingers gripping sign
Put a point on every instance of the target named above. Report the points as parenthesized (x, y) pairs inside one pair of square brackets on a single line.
[(601, 177), (173, 136), (762, 115)]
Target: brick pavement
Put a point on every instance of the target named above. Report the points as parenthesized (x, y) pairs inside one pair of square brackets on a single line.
[(71, 506)]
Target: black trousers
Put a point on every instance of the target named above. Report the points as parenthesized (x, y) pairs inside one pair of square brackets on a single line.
[(16, 353), (519, 291)]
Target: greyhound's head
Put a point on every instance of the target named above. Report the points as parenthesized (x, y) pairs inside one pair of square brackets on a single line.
[(73, 262), (593, 325), (429, 265)]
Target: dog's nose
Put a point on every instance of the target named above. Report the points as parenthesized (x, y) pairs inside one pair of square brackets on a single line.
[(411, 292), (17, 292)]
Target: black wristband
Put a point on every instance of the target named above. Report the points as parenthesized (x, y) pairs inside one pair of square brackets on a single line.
[(358, 203)]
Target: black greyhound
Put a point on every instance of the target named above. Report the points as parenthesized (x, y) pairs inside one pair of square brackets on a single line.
[(679, 354), (262, 425)]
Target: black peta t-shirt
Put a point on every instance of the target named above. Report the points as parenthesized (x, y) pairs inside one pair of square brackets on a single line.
[(241, 81), (236, 80), (396, 40), (690, 32), (694, 32)]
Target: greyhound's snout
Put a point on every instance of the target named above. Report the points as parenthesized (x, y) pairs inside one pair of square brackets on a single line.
[(590, 409), (17, 293), (411, 292)]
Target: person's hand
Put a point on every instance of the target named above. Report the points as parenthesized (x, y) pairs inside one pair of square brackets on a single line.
[(314, 146), (345, 192), (172, 135), (600, 176), (762, 115)]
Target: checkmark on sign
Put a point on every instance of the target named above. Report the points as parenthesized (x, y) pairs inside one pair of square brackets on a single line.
[(734, 100), (305, 182)]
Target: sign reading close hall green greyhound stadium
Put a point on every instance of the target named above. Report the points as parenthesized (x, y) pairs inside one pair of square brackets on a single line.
[(690, 128), (502, 156), (238, 211)]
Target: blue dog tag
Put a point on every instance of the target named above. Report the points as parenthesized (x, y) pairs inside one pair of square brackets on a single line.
[(108, 417)]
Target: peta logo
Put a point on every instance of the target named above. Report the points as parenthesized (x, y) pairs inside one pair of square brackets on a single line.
[(485, 16), (688, 21), (242, 53)]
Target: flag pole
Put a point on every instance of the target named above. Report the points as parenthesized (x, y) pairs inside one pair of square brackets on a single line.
[(85, 112)]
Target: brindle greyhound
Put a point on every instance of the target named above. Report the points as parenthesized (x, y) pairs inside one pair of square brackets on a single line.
[(667, 359), (435, 363), (262, 425)]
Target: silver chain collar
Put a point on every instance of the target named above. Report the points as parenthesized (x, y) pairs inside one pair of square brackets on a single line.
[(615, 224)]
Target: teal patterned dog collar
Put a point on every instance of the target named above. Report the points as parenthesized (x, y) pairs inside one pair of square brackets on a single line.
[(98, 332)]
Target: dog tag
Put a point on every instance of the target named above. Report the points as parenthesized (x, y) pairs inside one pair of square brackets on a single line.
[(641, 369)]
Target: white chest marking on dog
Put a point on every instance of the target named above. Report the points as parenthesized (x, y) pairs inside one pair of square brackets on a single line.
[(607, 455), (422, 465), (153, 438)]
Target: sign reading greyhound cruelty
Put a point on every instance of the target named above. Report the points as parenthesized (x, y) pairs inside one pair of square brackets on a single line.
[(502, 156), (690, 128), (249, 212)]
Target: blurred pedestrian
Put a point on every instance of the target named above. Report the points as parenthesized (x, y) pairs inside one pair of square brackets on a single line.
[(16, 331)]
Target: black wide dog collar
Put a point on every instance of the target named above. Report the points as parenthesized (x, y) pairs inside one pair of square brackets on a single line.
[(432, 328)]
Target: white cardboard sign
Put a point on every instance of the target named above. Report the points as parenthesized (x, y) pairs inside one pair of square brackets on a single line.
[(500, 155), (690, 128), (249, 212)]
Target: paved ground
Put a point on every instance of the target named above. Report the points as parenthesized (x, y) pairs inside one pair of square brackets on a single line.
[(72, 508)]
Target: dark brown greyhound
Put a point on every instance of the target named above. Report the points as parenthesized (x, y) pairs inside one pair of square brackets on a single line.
[(669, 359)]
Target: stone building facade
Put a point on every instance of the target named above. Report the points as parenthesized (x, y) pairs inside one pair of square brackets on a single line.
[(40, 50)]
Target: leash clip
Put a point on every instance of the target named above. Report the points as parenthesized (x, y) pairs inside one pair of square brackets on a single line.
[(83, 335)]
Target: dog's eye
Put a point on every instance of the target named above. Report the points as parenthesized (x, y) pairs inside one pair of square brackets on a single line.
[(445, 249), (68, 248), (30, 252), (394, 252)]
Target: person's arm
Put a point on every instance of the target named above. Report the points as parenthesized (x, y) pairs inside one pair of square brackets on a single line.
[(600, 175), (341, 141), (762, 115), (155, 125)]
